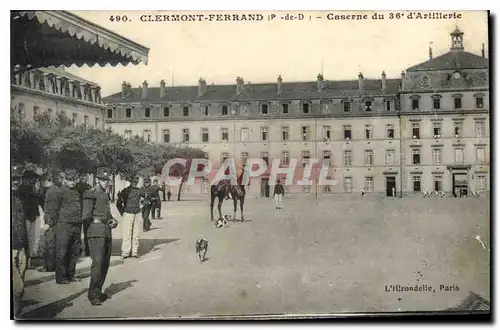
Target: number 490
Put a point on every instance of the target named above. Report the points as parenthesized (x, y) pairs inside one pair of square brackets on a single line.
[(118, 18)]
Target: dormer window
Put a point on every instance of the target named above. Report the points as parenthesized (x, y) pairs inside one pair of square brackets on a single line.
[(147, 112), (185, 111), (110, 113), (225, 110), (388, 105), (264, 109), (368, 105), (284, 108), (166, 111), (347, 105), (128, 113), (305, 108)]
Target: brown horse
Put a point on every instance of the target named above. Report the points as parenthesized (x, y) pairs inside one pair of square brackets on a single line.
[(222, 189)]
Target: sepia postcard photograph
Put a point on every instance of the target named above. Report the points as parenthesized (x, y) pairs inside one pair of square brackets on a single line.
[(249, 165)]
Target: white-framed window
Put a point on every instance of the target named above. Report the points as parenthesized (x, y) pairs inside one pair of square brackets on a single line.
[(390, 157), (284, 108), (244, 134), (346, 106), (369, 184), (437, 158), (264, 133), (224, 134), (479, 102), (347, 132), (459, 155), (480, 182), (166, 111), (327, 130), (480, 155), (264, 109), (204, 135), (348, 184), (436, 129), (457, 128), (166, 135), (185, 135), (416, 183), (347, 157), (224, 110), (147, 135), (128, 134), (368, 132), (110, 113), (438, 183), (147, 112), (305, 130), (306, 108), (368, 157), (415, 156), (306, 155), (185, 111), (415, 130), (285, 132), (480, 129), (285, 157), (128, 112), (389, 129)]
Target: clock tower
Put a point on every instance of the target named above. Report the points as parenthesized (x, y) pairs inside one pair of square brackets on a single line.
[(457, 40)]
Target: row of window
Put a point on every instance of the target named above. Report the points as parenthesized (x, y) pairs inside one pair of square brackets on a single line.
[(36, 111), (437, 183), (436, 102), (306, 132), (264, 109)]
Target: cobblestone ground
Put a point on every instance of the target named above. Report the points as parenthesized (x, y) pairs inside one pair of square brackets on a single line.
[(315, 256)]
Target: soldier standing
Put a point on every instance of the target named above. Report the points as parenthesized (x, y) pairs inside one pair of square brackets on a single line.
[(68, 229), (97, 213), (29, 194), (156, 207), (51, 209), (150, 193), (19, 241), (82, 186), (279, 192)]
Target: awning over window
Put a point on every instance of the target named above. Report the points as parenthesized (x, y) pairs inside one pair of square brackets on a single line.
[(54, 38)]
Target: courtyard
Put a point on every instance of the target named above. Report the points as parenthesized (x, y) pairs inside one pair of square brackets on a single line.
[(316, 256)]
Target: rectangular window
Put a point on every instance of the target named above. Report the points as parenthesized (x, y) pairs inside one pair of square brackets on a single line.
[(128, 112), (390, 157), (368, 157), (185, 135), (368, 132), (265, 157), (264, 109), (436, 104), (327, 132), (306, 155), (479, 102), (305, 108), (204, 135), (285, 131), (305, 133), (458, 103), (415, 128), (347, 132), (414, 104), (128, 134), (244, 134), (389, 129), (348, 184), (459, 156), (438, 183), (185, 111), (110, 113), (416, 183), (225, 110), (285, 158), (224, 134), (264, 133), (480, 182), (388, 105), (347, 106), (244, 158), (147, 112), (480, 129), (347, 158), (166, 135), (368, 105), (369, 184), (97, 123), (147, 135), (436, 156), (480, 155), (416, 157), (436, 128), (85, 121), (166, 111), (457, 128), (284, 108)]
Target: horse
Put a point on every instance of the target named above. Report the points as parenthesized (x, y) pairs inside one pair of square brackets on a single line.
[(222, 189)]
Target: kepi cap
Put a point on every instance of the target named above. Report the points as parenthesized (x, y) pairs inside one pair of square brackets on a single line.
[(103, 174), (70, 174)]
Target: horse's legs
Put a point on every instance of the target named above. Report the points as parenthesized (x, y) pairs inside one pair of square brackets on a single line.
[(219, 205), (212, 199), (242, 201), (235, 201)]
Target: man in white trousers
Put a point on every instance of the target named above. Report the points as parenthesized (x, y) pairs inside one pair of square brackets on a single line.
[(279, 192)]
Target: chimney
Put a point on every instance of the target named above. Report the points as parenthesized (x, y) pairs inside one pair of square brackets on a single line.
[(162, 88), (202, 87), (239, 85), (144, 90), (482, 51), (124, 89), (280, 85), (361, 82), (430, 50), (384, 81), (319, 83), (403, 76)]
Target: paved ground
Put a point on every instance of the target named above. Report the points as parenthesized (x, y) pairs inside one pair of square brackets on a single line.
[(315, 256)]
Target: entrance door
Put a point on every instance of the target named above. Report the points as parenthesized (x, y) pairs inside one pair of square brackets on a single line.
[(264, 188), (390, 182), (460, 184)]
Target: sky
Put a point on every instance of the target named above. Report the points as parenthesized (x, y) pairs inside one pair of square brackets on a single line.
[(182, 52)]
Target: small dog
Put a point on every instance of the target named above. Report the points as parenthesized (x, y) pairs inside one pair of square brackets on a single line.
[(201, 248), (223, 222)]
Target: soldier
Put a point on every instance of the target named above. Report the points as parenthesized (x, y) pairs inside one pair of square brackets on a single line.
[(97, 213), (156, 207), (29, 194), (82, 186), (150, 194), (51, 209), (169, 194), (19, 241), (279, 192), (68, 228)]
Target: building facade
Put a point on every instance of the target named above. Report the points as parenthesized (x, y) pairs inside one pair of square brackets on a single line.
[(53, 91), (365, 129)]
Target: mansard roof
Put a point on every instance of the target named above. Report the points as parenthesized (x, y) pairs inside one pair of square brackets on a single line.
[(452, 61), (260, 91)]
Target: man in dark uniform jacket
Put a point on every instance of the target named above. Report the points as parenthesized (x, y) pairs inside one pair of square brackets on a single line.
[(51, 209), (82, 186), (68, 228), (149, 200), (97, 213), (19, 241), (156, 207)]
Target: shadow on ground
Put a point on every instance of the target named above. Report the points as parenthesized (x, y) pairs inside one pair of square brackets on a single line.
[(146, 245), (51, 310), (114, 288)]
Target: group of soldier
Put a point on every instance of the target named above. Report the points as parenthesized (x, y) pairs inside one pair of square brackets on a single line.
[(75, 213)]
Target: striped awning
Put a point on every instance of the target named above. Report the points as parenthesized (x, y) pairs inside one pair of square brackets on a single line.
[(45, 38)]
